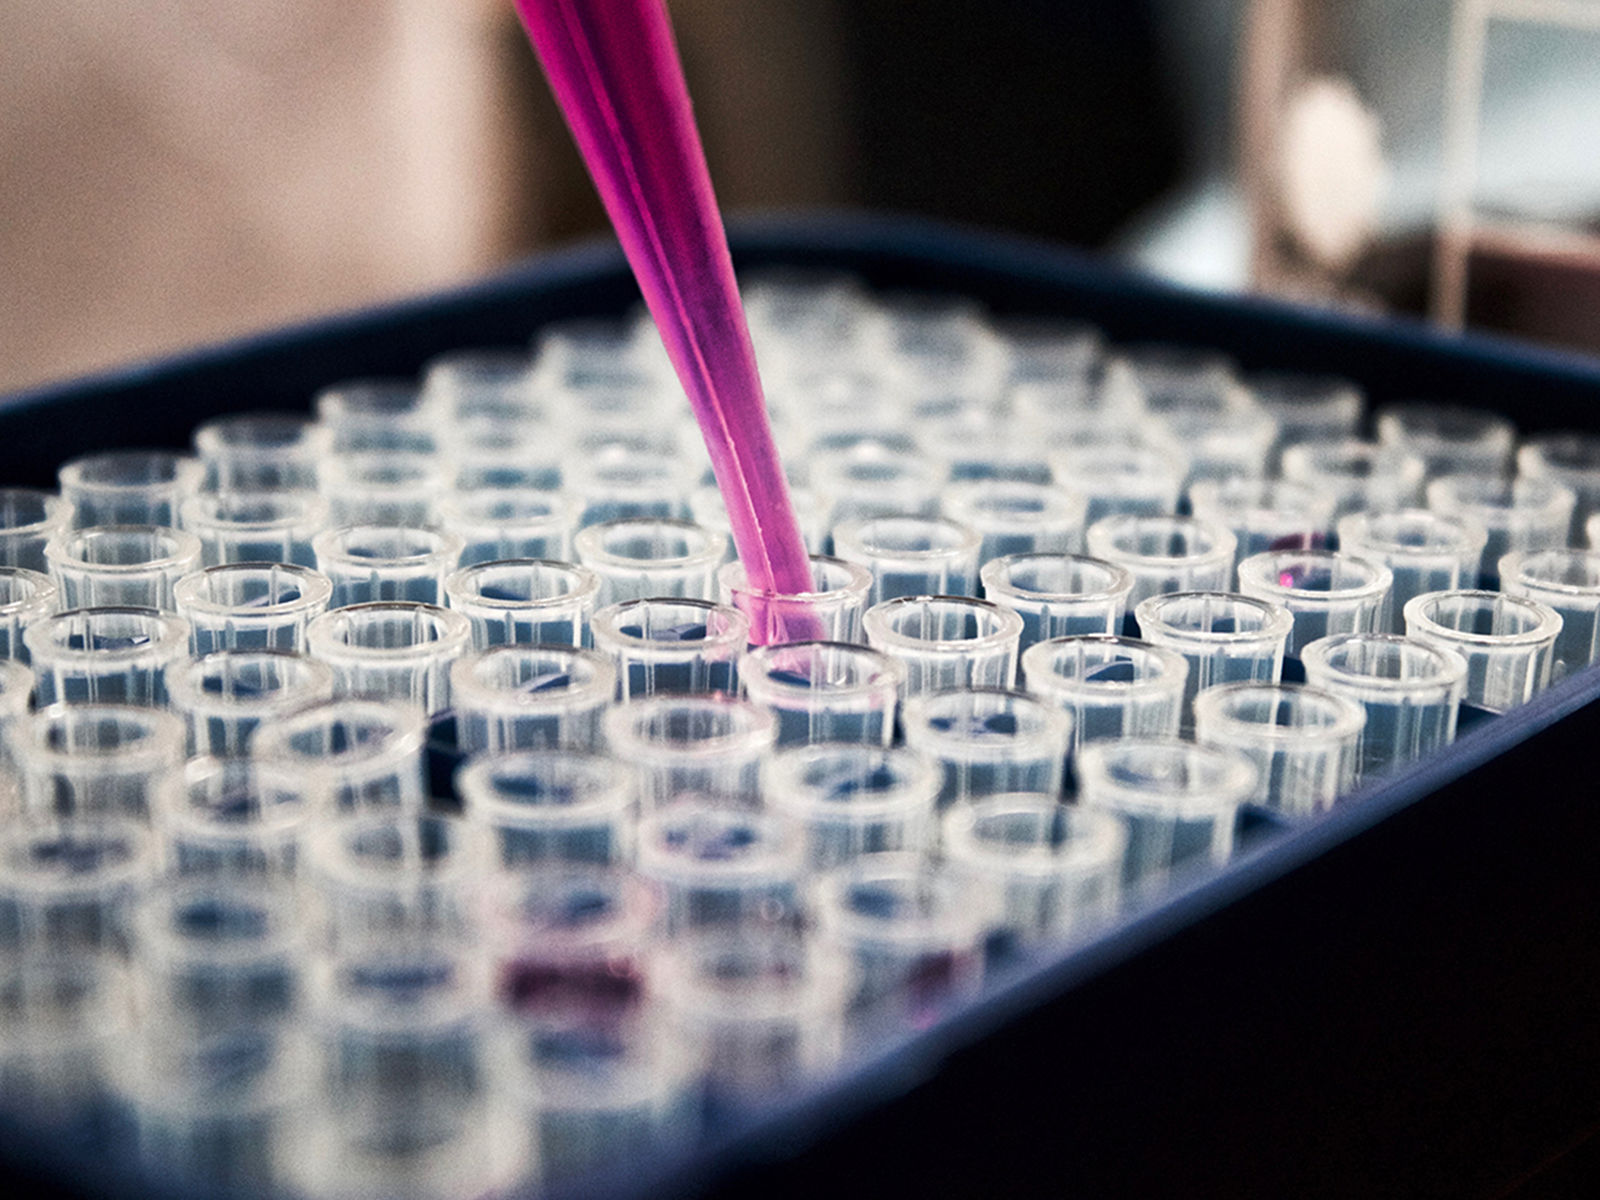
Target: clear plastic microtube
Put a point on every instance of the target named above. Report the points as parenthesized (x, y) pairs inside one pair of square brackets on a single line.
[(16, 691), (637, 558), (1411, 692), (913, 931), (1507, 642), (1424, 551), (1227, 638), (852, 800), (1304, 741), (1059, 595), (500, 523), (384, 488), (1308, 408), (527, 601), (487, 454), (1165, 554), (668, 646), (271, 527), (530, 697), (989, 741), (708, 746), (25, 597), (552, 806), (376, 415), (1516, 514), (824, 691), (395, 875), (121, 566), (1053, 870), (1572, 459), (64, 1019), (831, 612), (1359, 476), (262, 452), (911, 556), (225, 696), (618, 482), (350, 754), (763, 1012), (1323, 591), (391, 651), (1121, 479), (29, 518), (480, 382), (251, 606), (1015, 517), (106, 655), (129, 487), (1265, 514), (1179, 801), (1221, 445), (871, 479), (99, 760), (68, 887), (1450, 440), (237, 818), (722, 867), (1569, 582), (946, 642), (375, 562)]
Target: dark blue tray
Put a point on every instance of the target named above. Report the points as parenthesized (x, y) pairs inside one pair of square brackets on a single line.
[(1400, 999)]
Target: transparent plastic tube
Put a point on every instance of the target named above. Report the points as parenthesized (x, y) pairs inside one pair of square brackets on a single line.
[(513, 698), (1308, 408), (129, 487), (375, 562), (946, 642), (121, 566), (619, 482), (762, 1012), (1411, 692), (63, 1021), (852, 800), (16, 692), (1424, 551), (913, 931), (99, 761), (384, 487), (492, 455), (238, 818), (525, 601), (1303, 741), (551, 807), (68, 887), (481, 382), (1184, 378), (1121, 480), (1223, 444), (990, 741), (227, 695), (870, 480), (25, 597), (831, 612), (1059, 595), (391, 651), (1015, 517), (911, 556), (251, 606), (395, 876), (709, 747), (497, 523), (1179, 801), (1517, 515), (1506, 641), (638, 558), (1450, 440), (351, 754), (1265, 515), (665, 646), (1165, 554), (824, 691), (1227, 638), (1359, 476), (1324, 592), (376, 415), (262, 452), (271, 527), (721, 867), (1571, 459), (1052, 870), (106, 655), (29, 518), (1569, 582)]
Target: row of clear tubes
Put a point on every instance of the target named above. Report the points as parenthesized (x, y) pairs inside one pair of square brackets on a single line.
[(416, 799)]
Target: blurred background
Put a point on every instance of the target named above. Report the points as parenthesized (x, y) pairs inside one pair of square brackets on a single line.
[(178, 171)]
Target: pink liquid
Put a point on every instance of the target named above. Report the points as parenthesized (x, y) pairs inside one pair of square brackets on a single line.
[(614, 68)]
